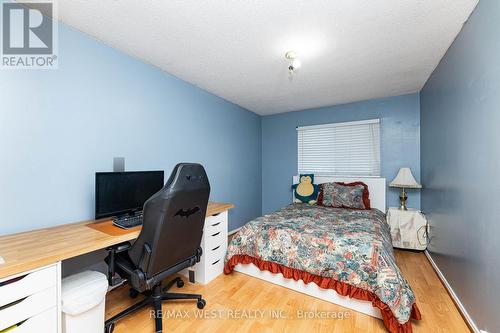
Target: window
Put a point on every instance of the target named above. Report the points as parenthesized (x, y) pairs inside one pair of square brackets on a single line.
[(340, 149)]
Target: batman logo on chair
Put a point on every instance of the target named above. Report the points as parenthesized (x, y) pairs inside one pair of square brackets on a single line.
[(187, 212)]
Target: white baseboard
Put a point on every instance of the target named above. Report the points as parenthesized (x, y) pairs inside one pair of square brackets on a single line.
[(461, 307)]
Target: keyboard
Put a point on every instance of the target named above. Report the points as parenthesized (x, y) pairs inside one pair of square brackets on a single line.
[(128, 222)]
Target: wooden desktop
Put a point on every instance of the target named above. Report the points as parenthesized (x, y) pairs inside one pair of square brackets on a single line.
[(33, 249)]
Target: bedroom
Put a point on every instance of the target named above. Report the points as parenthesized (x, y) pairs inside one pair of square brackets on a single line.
[(393, 98)]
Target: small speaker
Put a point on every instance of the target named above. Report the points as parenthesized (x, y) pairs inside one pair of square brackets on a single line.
[(118, 164)]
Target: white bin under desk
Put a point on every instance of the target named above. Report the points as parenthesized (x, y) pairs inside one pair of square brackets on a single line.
[(83, 301)]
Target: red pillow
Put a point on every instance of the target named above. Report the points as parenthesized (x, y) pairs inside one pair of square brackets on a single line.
[(336, 195)]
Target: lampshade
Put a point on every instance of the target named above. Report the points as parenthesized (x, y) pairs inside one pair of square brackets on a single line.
[(405, 179)]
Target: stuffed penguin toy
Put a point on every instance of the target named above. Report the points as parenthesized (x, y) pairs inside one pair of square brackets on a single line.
[(306, 190)]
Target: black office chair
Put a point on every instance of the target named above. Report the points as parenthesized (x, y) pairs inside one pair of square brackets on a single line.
[(169, 242)]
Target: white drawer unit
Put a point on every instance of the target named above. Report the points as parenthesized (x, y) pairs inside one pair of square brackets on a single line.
[(29, 302), (214, 245)]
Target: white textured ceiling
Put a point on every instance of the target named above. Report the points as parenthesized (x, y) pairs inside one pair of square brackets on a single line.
[(351, 50)]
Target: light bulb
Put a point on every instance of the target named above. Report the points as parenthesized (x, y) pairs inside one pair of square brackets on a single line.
[(290, 55)]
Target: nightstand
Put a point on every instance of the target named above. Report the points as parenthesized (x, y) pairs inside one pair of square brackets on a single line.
[(408, 228)]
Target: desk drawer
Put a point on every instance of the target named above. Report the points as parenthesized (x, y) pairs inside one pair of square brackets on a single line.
[(29, 284), (216, 223), (45, 322), (214, 269), (213, 240), (215, 253), (28, 307)]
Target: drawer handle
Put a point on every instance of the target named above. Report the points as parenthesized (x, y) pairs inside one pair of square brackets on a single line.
[(215, 248), (215, 262), (216, 234), (216, 214), (19, 278), (21, 323), (216, 224), (12, 304)]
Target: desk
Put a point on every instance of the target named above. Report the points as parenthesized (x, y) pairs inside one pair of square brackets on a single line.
[(28, 250), (31, 275)]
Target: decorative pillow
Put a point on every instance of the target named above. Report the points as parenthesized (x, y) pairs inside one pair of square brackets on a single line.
[(306, 190), (341, 195)]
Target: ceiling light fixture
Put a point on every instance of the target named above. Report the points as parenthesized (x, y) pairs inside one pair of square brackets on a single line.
[(294, 62)]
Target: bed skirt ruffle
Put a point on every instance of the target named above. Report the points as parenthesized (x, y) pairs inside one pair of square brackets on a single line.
[(344, 289)]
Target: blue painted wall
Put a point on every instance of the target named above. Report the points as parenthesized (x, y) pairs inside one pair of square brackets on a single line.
[(400, 144), (460, 122), (58, 127)]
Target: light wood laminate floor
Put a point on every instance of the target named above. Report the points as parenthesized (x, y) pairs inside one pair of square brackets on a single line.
[(229, 293)]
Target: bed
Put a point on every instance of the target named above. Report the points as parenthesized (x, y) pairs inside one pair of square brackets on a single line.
[(343, 256)]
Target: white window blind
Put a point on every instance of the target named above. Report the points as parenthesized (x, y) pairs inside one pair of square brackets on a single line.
[(340, 149)]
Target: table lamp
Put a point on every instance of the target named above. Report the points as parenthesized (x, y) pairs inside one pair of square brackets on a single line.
[(404, 180)]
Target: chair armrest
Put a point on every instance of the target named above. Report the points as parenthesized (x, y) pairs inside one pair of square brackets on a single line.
[(113, 279), (120, 247)]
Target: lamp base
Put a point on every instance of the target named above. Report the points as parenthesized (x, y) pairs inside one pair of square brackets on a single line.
[(402, 199)]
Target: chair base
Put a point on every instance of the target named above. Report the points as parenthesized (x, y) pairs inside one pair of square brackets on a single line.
[(154, 298)]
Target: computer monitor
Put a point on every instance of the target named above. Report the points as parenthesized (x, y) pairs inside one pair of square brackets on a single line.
[(120, 193)]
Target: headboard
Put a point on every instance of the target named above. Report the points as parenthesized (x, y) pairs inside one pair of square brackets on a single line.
[(376, 187)]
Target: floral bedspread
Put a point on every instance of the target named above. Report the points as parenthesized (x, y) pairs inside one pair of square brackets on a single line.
[(350, 246)]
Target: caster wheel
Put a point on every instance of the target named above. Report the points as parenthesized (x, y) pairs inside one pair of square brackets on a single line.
[(201, 303), (109, 328), (180, 283), (133, 293)]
